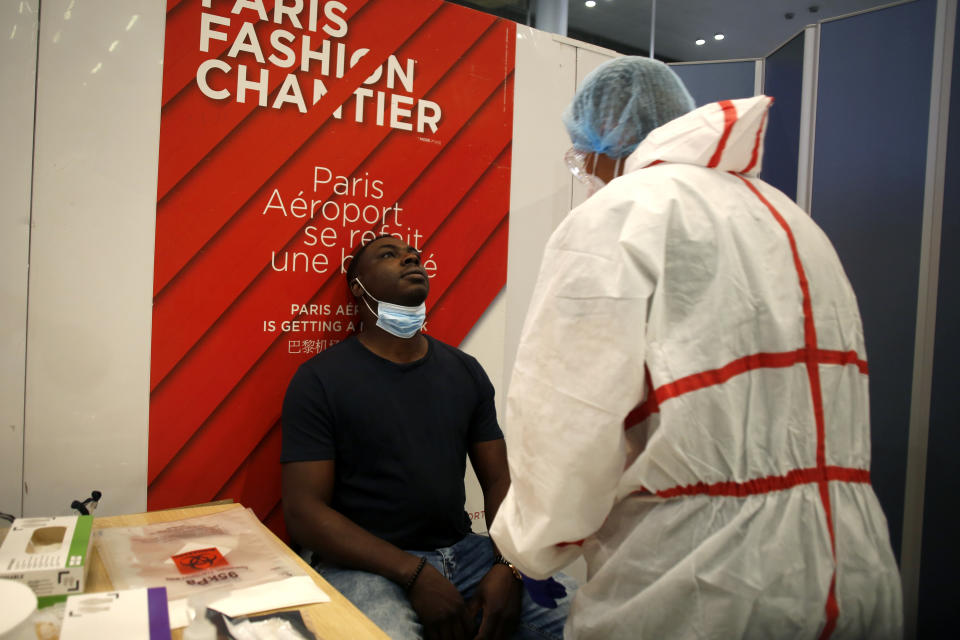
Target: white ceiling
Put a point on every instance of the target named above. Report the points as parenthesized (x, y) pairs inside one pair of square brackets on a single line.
[(752, 28)]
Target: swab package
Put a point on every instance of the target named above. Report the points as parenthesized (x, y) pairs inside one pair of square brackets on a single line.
[(215, 553)]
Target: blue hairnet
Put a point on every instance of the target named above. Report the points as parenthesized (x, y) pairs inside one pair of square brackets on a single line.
[(621, 101)]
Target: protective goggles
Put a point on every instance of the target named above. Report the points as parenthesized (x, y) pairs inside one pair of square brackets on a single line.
[(577, 163)]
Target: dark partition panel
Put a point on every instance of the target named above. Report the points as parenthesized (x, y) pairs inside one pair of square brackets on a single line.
[(870, 157), (783, 79), (940, 555), (712, 81)]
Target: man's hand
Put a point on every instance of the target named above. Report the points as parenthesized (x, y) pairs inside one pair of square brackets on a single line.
[(440, 607), (498, 595)]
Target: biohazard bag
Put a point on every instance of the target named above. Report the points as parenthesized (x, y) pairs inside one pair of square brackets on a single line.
[(218, 552)]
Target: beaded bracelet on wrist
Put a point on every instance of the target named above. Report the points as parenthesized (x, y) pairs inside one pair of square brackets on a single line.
[(413, 578)]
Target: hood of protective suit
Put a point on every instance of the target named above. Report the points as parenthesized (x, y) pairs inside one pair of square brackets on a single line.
[(725, 135)]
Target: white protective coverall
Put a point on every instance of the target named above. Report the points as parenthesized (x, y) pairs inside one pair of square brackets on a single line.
[(689, 407)]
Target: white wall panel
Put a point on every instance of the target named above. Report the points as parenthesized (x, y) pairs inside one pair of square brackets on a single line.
[(19, 22), (548, 69), (94, 193)]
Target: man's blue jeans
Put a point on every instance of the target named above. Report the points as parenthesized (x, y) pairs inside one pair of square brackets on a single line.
[(464, 564)]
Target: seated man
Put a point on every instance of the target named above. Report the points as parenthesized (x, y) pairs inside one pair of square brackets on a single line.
[(376, 430)]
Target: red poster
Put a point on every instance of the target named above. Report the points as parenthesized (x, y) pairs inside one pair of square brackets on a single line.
[(289, 131)]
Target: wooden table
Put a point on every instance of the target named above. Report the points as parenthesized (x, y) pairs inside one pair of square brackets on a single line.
[(337, 619)]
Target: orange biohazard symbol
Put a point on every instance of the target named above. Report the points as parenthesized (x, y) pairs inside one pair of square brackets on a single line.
[(199, 560)]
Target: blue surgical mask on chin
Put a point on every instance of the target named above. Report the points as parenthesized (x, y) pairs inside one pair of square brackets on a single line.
[(396, 319)]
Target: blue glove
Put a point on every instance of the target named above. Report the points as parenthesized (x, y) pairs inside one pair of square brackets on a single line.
[(544, 592)]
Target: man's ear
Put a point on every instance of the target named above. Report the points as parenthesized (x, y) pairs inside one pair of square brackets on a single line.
[(356, 289)]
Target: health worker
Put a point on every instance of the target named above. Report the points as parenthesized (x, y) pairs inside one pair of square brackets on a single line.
[(689, 408)]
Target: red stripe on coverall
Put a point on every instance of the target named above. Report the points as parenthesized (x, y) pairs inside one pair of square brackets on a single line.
[(768, 484), (756, 145), (648, 406), (816, 392), (729, 118), (693, 382), (756, 486)]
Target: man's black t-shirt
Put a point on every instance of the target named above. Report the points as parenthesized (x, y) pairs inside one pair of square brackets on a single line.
[(398, 434)]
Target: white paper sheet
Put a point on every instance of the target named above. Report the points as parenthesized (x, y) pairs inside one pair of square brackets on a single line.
[(291, 592)]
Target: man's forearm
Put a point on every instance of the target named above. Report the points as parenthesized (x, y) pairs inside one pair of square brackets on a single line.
[(342, 542), (492, 498)]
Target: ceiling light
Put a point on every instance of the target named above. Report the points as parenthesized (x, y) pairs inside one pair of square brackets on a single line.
[(718, 36), (591, 3), (701, 42)]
